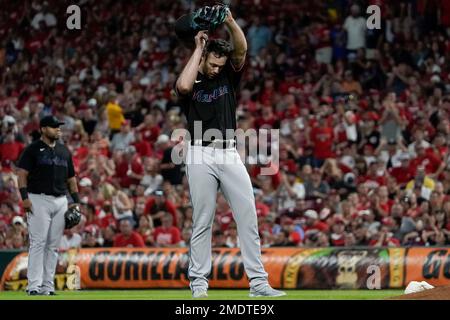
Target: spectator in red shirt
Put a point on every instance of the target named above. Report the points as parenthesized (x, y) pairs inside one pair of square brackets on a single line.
[(382, 202), (338, 235), (127, 237), (90, 238), (375, 176), (403, 173), (292, 110), (426, 158), (10, 149), (91, 217), (149, 128), (313, 222), (322, 140), (157, 205), (143, 147), (268, 119), (167, 235), (129, 168), (384, 238)]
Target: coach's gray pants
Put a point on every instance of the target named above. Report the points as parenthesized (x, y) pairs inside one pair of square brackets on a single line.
[(207, 170), (45, 228)]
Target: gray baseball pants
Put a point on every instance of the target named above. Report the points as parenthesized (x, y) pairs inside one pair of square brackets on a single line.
[(45, 228), (207, 170)]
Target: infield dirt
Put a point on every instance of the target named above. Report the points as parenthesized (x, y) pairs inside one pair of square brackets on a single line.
[(439, 293)]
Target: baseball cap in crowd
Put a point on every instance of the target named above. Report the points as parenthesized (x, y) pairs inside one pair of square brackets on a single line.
[(130, 149), (18, 219), (144, 81), (404, 156), (349, 179), (311, 214), (436, 69), (50, 121), (85, 182), (163, 138), (324, 213), (8, 120), (257, 192), (92, 102)]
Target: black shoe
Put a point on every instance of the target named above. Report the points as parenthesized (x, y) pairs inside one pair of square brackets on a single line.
[(33, 293), (50, 293)]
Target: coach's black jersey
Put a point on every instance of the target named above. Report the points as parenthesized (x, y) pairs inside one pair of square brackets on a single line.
[(212, 101), (48, 168)]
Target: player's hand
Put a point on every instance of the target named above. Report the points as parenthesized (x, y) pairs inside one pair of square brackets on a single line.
[(74, 205), (201, 39), (229, 17), (27, 206)]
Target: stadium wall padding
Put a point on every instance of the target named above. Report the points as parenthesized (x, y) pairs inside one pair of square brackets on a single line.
[(288, 268), (6, 255)]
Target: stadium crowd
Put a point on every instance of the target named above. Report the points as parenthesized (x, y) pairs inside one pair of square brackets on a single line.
[(363, 117)]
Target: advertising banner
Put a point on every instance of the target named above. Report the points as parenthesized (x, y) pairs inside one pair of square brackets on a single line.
[(288, 268), (428, 264)]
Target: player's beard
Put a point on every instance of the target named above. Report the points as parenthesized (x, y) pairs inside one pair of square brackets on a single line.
[(53, 137)]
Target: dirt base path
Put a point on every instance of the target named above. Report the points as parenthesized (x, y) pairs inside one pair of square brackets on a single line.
[(440, 293)]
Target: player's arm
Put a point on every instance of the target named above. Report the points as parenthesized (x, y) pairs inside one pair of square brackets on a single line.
[(73, 189), (72, 184), (23, 184), (187, 77), (238, 40), (25, 165), (22, 178)]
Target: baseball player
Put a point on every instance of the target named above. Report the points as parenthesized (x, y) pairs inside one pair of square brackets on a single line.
[(46, 174), (206, 89)]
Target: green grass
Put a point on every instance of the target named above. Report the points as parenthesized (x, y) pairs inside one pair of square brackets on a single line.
[(213, 295)]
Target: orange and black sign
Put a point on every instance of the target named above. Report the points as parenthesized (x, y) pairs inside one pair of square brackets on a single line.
[(296, 268), (428, 264)]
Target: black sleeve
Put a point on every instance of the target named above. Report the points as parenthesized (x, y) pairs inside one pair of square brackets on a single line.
[(70, 168), (178, 94), (27, 159), (182, 100)]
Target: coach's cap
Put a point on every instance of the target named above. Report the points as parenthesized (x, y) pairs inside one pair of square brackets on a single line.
[(50, 121)]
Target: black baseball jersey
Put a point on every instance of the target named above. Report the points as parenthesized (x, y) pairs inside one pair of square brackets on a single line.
[(212, 101), (48, 168)]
